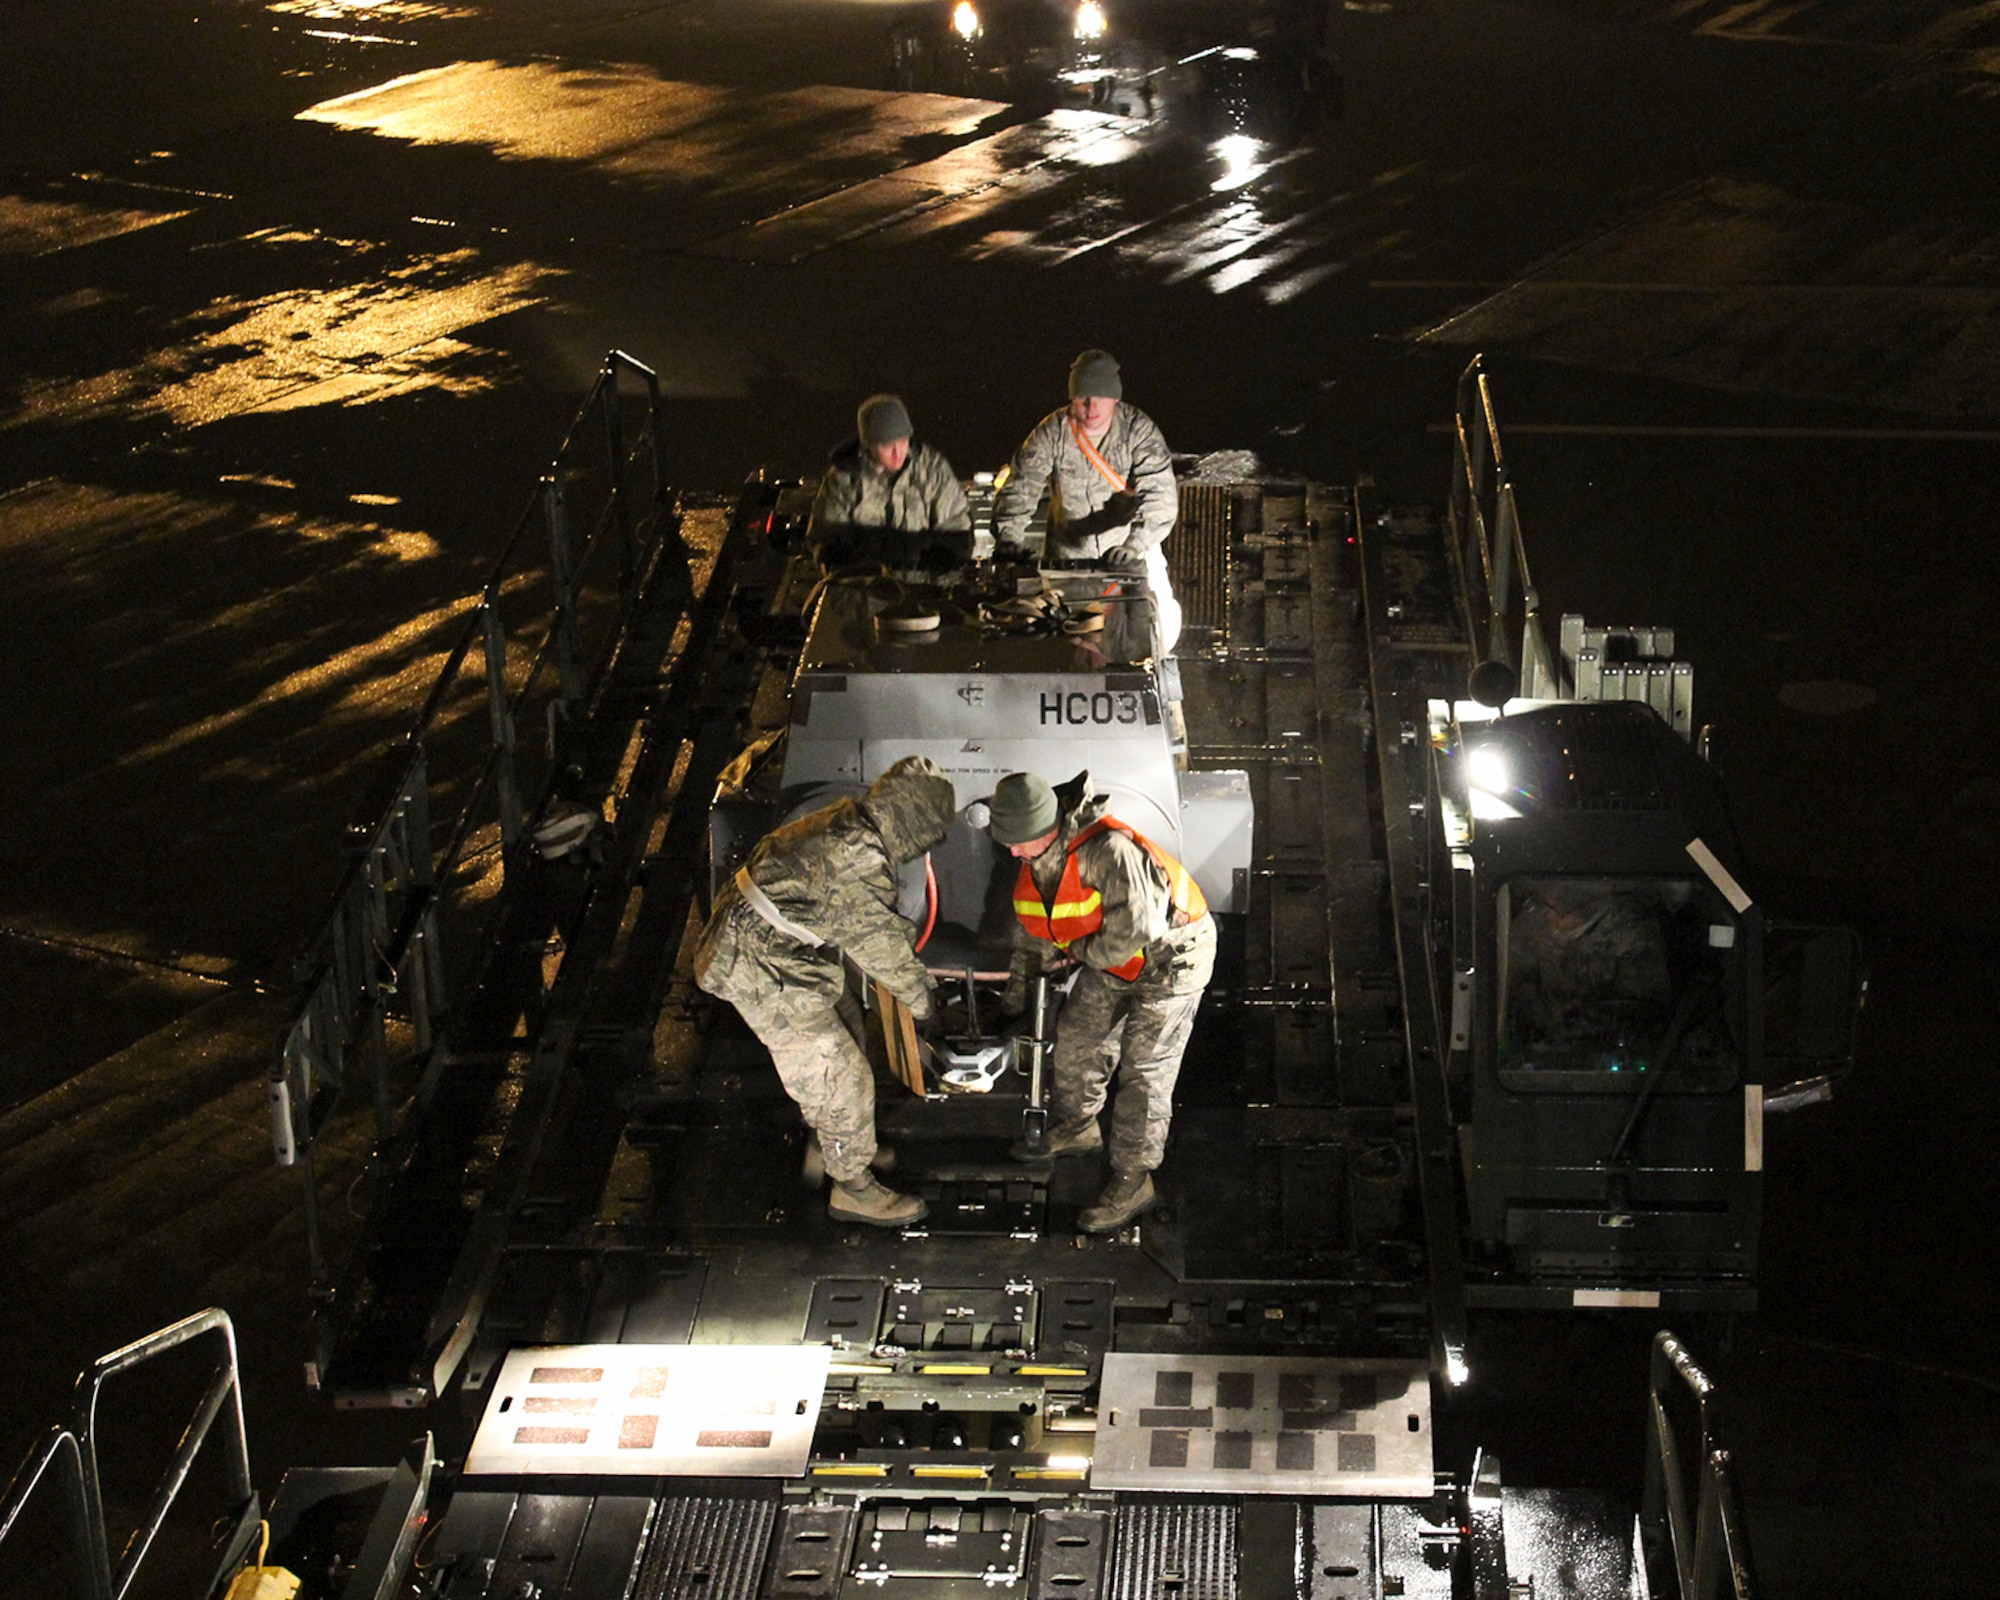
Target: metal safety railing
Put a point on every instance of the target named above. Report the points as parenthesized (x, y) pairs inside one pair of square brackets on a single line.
[(1691, 1531), (73, 1453), (533, 647), (1503, 604)]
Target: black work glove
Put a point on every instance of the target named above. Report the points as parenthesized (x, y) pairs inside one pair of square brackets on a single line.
[(946, 554)]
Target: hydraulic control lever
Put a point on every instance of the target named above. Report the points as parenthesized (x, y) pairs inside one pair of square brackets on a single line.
[(1032, 1048)]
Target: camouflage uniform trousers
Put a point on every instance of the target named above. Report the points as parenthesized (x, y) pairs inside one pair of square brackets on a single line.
[(1137, 1033), (823, 1069)]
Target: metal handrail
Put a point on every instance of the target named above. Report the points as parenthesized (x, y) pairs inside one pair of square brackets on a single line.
[(1704, 1550), (93, 1564), (1486, 542), (380, 943), (76, 1448)]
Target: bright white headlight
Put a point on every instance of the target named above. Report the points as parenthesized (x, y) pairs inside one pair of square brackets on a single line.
[(1090, 20), (1486, 768)]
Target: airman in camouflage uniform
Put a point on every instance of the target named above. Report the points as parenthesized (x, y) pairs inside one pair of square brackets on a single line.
[(1133, 1027), (890, 500), (830, 877), (1118, 515)]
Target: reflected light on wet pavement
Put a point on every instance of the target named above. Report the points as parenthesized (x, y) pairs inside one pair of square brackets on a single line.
[(42, 227), (372, 11), (346, 345), (790, 174), (637, 123), (351, 687)]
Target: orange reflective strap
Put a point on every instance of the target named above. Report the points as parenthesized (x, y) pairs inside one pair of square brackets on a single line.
[(1182, 890), (1104, 468), (1078, 909)]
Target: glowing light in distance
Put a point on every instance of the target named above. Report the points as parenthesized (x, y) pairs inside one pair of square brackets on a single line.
[(1090, 23), (1238, 153), (965, 20)]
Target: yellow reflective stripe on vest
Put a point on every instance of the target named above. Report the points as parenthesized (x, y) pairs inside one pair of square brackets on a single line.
[(1079, 909)]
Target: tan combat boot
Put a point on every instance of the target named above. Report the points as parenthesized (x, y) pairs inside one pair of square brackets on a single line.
[(1127, 1195), (865, 1200), (1076, 1141)]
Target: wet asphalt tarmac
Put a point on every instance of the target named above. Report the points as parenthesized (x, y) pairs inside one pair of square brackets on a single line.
[(298, 295)]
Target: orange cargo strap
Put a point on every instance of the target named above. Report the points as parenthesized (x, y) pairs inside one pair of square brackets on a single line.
[(1078, 910), (1104, 468)]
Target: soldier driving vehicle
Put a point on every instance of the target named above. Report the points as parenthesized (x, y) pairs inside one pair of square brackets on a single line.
[(890, 501)]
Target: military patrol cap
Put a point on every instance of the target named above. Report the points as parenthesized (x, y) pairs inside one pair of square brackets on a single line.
[(882, 419), (1095, 374), (1023, 807)]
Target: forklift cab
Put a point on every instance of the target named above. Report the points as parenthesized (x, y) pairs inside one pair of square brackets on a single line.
[(1611, 985)]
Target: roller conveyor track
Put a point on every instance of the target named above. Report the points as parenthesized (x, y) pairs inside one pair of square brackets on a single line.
[(1291, 1178), (650, 1194)]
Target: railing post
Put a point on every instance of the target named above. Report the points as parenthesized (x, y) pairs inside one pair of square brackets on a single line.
[(92, 1561), (1505, 533), (614, 430), (505, 780), (657, 429), (225, 1388), (377, 936), (1704, 1544), (569, 647)]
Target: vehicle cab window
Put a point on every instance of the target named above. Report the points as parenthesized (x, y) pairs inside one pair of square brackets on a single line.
[(1608, 980)]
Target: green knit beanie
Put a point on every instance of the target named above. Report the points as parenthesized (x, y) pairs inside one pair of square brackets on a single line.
[(1094, 374), (882, 419), (1023, 807)]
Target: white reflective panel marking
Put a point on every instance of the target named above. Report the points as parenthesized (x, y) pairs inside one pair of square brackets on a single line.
[(1638, 1299), (640, 1410), (1264, 1425), (1718, 874), (1753, 1127)]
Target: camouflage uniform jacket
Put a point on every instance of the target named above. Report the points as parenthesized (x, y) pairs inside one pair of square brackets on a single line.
[(832, 872), (862, 513), (1138, 906), (1082, 522)]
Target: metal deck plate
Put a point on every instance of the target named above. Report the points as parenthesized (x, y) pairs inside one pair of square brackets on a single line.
[(653, 1409), (1264, 1425)]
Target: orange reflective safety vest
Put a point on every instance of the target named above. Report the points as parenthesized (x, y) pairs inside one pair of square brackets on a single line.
[(1078, 910)]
